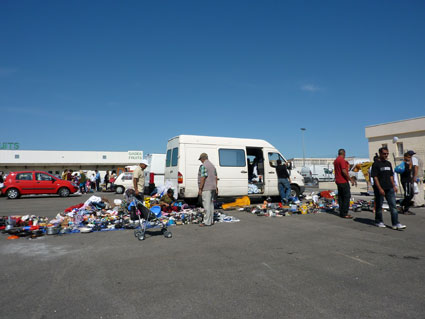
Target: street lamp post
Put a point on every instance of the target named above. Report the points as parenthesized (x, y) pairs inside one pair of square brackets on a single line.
[(302, 132)]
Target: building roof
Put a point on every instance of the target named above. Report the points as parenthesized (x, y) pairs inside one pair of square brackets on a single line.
[(398, 127)]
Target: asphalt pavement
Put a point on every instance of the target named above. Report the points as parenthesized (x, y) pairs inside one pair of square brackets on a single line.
[(302, 266)]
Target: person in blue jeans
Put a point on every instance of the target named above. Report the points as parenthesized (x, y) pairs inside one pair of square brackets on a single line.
[(384, 186), (283, 181)]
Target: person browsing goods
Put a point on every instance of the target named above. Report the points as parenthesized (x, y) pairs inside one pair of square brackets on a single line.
[(207, 182), (139, 179), (342, 179)]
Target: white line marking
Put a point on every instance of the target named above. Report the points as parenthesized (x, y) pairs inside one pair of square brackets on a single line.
[(357, 259)]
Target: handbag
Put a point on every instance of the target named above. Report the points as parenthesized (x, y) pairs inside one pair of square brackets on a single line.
[(400, 168)]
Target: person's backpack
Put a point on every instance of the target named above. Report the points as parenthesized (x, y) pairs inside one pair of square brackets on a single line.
[(400, 168)]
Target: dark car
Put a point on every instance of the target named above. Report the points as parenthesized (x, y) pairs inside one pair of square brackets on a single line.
[(36, 182)]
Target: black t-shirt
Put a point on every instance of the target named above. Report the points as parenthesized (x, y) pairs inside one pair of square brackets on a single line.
[(282, 171), (383, 171), (407, 175)]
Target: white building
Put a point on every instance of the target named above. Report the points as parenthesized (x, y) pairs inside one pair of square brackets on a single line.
[(399, 137), (323, 161), (56, 162)]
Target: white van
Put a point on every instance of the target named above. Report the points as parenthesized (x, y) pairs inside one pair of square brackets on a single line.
[(316, 173), (230, 157), (154, 173)]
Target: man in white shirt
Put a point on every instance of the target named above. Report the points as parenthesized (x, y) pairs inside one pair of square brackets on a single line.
[(418, 177), (139, 179)]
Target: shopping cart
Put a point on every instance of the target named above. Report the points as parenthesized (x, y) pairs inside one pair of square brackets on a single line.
[(147, 219)]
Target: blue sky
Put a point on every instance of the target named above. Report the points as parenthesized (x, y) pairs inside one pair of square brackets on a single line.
[(129, 75)]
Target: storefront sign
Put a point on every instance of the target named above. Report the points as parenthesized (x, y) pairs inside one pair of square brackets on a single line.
[(9, 146), (135, 155)]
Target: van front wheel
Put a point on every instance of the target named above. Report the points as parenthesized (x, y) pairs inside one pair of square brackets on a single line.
[(295, 191)]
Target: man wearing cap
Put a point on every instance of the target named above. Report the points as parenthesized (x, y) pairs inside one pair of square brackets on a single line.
[(418, 178), (207, 182), (139, 179)]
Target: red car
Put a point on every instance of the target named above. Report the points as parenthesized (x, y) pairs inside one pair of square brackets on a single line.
[(36, 182)]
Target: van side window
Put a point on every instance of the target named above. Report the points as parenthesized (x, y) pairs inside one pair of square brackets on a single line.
[(168, 159), (232, 157), (175, 157), (274, 157)]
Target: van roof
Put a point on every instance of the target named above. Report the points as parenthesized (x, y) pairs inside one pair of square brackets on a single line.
[(198, 139)]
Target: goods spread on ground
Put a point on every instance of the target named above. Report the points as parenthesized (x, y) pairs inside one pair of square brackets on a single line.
[(100, 214)]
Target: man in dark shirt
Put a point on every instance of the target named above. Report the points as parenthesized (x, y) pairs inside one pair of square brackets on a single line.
[(384, 186), (342, 179), (283, 182)]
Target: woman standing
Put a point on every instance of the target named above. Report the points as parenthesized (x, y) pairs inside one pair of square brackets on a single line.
[(407, 183)]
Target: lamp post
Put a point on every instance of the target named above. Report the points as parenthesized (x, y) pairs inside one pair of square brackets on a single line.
[(302, 132)]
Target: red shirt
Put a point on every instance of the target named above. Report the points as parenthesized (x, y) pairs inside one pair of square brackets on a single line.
[(339, 164)]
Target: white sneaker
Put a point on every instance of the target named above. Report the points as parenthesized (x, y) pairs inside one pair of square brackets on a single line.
[(380, 225), (399, 226)]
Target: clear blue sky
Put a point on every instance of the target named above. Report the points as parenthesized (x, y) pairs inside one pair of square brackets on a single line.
[(129, 75)]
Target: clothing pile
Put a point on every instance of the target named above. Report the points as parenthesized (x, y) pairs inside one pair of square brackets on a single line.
[(99, 214), (253, 189)]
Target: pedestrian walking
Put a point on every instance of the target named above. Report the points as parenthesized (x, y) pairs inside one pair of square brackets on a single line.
[(97, 180), (384, 186), (418, 199), (283, 182), (106, 180), (93, 182), (139, 179), (407, 181), (342, 179), (82, 181), (207, 182)]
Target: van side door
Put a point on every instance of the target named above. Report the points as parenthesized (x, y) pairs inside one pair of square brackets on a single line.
[(270, 170), (232, 172)]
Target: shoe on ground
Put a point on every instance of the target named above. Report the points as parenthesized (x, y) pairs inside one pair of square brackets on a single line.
[(399, 226), (381, 225)]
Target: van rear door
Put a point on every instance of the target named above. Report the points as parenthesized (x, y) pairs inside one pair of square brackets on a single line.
[(171, 163)]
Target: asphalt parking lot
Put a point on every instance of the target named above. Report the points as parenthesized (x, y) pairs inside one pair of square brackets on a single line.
[(304, 266)]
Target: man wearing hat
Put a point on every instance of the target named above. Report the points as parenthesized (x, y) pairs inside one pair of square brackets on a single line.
[(139, 179), (418, 178), (207, 182)]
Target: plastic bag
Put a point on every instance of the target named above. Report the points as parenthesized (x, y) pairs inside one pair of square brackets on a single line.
[(415, 188), (400, 168)]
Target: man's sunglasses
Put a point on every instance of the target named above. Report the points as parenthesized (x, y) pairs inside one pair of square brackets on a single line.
[(385, 153)]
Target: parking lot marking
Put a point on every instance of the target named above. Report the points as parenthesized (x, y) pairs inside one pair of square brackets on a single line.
[(357, 259)]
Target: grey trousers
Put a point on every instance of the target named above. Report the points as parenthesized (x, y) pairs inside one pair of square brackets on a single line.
[(207, 203)]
